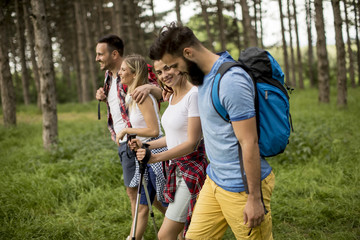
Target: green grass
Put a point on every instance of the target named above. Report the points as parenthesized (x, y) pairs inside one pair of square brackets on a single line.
[(77, 192), (317, 193)]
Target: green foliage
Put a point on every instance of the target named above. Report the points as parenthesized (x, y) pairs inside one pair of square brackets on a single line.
[(64, 93), (77, 191), (198, 25)]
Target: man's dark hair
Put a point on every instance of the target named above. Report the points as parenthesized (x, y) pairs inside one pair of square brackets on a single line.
[(172, 40), (113, 43)]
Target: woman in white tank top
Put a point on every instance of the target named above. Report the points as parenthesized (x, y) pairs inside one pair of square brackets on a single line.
[(145, 123)]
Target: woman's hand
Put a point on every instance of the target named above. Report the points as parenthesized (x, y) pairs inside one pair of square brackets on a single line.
[(140, 154), (120, 135), (166, 93), (135, 144)]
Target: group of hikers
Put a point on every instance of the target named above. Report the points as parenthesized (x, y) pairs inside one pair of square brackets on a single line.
[(193, 174)]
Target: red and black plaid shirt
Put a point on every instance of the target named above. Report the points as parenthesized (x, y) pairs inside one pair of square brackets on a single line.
[(121, 92), (193, 169)]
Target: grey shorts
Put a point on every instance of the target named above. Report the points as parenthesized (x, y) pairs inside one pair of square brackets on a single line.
[(177, 210), (127, 159)]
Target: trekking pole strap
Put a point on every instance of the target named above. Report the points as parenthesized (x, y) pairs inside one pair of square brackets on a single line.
[(99, 116)]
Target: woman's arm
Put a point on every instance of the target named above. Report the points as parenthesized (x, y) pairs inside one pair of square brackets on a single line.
[(194, 135), (135, 144), (158, 143), (152, 127)]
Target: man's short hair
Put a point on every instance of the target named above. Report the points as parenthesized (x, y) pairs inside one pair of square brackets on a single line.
[(172, 39), (113, 43)]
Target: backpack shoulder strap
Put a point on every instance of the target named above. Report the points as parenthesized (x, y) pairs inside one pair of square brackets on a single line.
[(216, 88)]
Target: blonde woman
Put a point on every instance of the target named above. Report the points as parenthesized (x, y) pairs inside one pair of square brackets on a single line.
[(145, 123)]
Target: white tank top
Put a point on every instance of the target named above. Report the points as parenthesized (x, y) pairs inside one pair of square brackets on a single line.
[(137, 119)]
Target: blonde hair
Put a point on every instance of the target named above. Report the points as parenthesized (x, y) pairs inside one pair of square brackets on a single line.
[(137, 65)]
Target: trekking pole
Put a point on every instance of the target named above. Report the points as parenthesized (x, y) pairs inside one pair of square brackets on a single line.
[(150, 207), (142, 183), (142, 170)]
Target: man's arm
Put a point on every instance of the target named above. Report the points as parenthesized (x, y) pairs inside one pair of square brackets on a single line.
[(141, 92), (246, 133)]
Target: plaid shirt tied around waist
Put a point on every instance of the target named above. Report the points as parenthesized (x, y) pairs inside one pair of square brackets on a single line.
[(193, 170)]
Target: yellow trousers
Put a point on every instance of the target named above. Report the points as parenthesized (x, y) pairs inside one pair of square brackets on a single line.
[(216, 209)]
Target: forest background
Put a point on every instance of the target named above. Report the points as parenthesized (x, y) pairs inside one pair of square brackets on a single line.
[(60, 177)]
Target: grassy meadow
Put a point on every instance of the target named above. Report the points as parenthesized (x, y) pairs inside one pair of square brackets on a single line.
[(77, 192)]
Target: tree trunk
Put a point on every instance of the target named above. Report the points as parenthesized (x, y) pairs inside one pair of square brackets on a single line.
[(90, 54), (340, 55), (207, 24), (66, 34), (292, 66), (65, 69), (258, 21), (125, 26), (131, 26), (13, 60), (286, 60), (261, 25), (310, 47), (250, 34), (47, 76), (6, 84), (237, 31), (82, 56), (153, 15), (117, 18), (94, 30), (30, 40), (357, 39), (77, 69), (350, 52), (255, 16), (299, 58), (219, 5), (100, 22), (141, 48), (178, 11), (322, 55), (21, 38)]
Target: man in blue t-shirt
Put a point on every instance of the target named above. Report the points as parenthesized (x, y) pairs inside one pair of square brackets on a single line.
[(222, 201)]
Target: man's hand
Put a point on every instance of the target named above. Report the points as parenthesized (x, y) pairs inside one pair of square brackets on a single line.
[(100, 94), (254, 212), (140, 93)]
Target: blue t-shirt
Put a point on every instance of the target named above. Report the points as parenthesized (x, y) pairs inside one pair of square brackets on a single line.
[(237, 96)]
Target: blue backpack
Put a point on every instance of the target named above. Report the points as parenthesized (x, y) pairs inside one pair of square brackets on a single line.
[(271, 99)]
